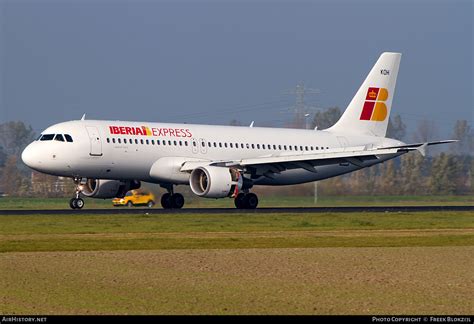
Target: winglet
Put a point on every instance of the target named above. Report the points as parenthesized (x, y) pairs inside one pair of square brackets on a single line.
[(83, 117), (251, 124), (422, 149)]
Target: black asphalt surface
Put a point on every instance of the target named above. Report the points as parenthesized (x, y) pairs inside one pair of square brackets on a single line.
[(292, 210)]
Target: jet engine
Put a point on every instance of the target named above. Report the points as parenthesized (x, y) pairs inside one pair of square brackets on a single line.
[(100, 188), (215, 182)]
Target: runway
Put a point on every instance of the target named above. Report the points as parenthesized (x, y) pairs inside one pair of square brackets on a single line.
[(292, 210)]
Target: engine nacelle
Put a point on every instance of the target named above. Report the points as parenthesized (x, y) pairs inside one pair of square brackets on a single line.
[(215, 182), (100, 188)]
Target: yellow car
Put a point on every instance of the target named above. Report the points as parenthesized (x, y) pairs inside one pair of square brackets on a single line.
[(135, 198)]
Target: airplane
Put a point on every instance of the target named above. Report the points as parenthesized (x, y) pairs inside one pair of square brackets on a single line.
[(106, 159)]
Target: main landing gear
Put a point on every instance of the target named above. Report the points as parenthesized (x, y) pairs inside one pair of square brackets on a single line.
[(76, 202), (172, 200), (246, 201)]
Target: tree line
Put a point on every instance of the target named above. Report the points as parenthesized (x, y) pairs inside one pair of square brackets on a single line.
[(447, 172)]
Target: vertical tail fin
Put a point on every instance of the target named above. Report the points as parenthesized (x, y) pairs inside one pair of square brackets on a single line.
[(369, 110)]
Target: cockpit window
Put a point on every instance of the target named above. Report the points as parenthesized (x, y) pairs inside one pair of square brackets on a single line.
[(39, 137), (68, 137), (47, 137), (59, 137)]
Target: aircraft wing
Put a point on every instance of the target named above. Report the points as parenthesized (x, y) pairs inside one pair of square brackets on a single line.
[(270, 164), (265, 165), (421, 147)]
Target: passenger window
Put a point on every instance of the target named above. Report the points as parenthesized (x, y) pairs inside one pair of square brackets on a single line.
[(231, 145), (119, 140), (274, 147), (248, 146), (284, 147), (209, 144), (263, 146), (306, 148), (236, 145), (147, 142), (194, 143), (141, 141), (279, 147), (225, 145), (301, 148), (136, 141), (185, 143), (175, 143), (164, 142), (180, 143), (169, 142), (312, 148), (152, 142), (220, 144), (47, 137), (290, 147), (258, 146), (203, 144), (241, 145), (113, 140), (108, 140), (59, 138)]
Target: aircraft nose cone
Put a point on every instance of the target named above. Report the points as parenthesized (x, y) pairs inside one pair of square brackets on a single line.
[(28, 156)]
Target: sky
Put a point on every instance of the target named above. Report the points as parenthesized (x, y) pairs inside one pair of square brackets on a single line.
[(213, 61)]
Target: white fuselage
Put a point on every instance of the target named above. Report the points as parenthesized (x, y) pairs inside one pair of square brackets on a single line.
[(127, 150)]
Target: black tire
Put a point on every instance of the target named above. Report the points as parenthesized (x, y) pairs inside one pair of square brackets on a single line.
[(72, 203), (150, 204), (239, 201), (251, 201), (79, 203), (166, 201), (177, 201), (129, 204)]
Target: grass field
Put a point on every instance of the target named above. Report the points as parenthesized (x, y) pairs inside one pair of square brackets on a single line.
[(335, 263), (265, 201)]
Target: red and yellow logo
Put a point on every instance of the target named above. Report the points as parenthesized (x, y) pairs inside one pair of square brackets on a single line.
[(146, 131), (374, 106)]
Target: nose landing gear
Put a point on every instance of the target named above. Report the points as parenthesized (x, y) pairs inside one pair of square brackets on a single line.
[(76, 202)]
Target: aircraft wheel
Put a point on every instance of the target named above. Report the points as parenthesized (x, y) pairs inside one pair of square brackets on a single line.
[(72, 203), (239, 201), (166, 202), (251, 201), (79, 203), (177, 200)]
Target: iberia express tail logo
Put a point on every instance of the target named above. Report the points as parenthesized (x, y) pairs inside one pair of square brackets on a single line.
[(374, 106)]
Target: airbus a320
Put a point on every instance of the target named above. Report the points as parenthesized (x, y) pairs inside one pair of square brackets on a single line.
[(108, 158)]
